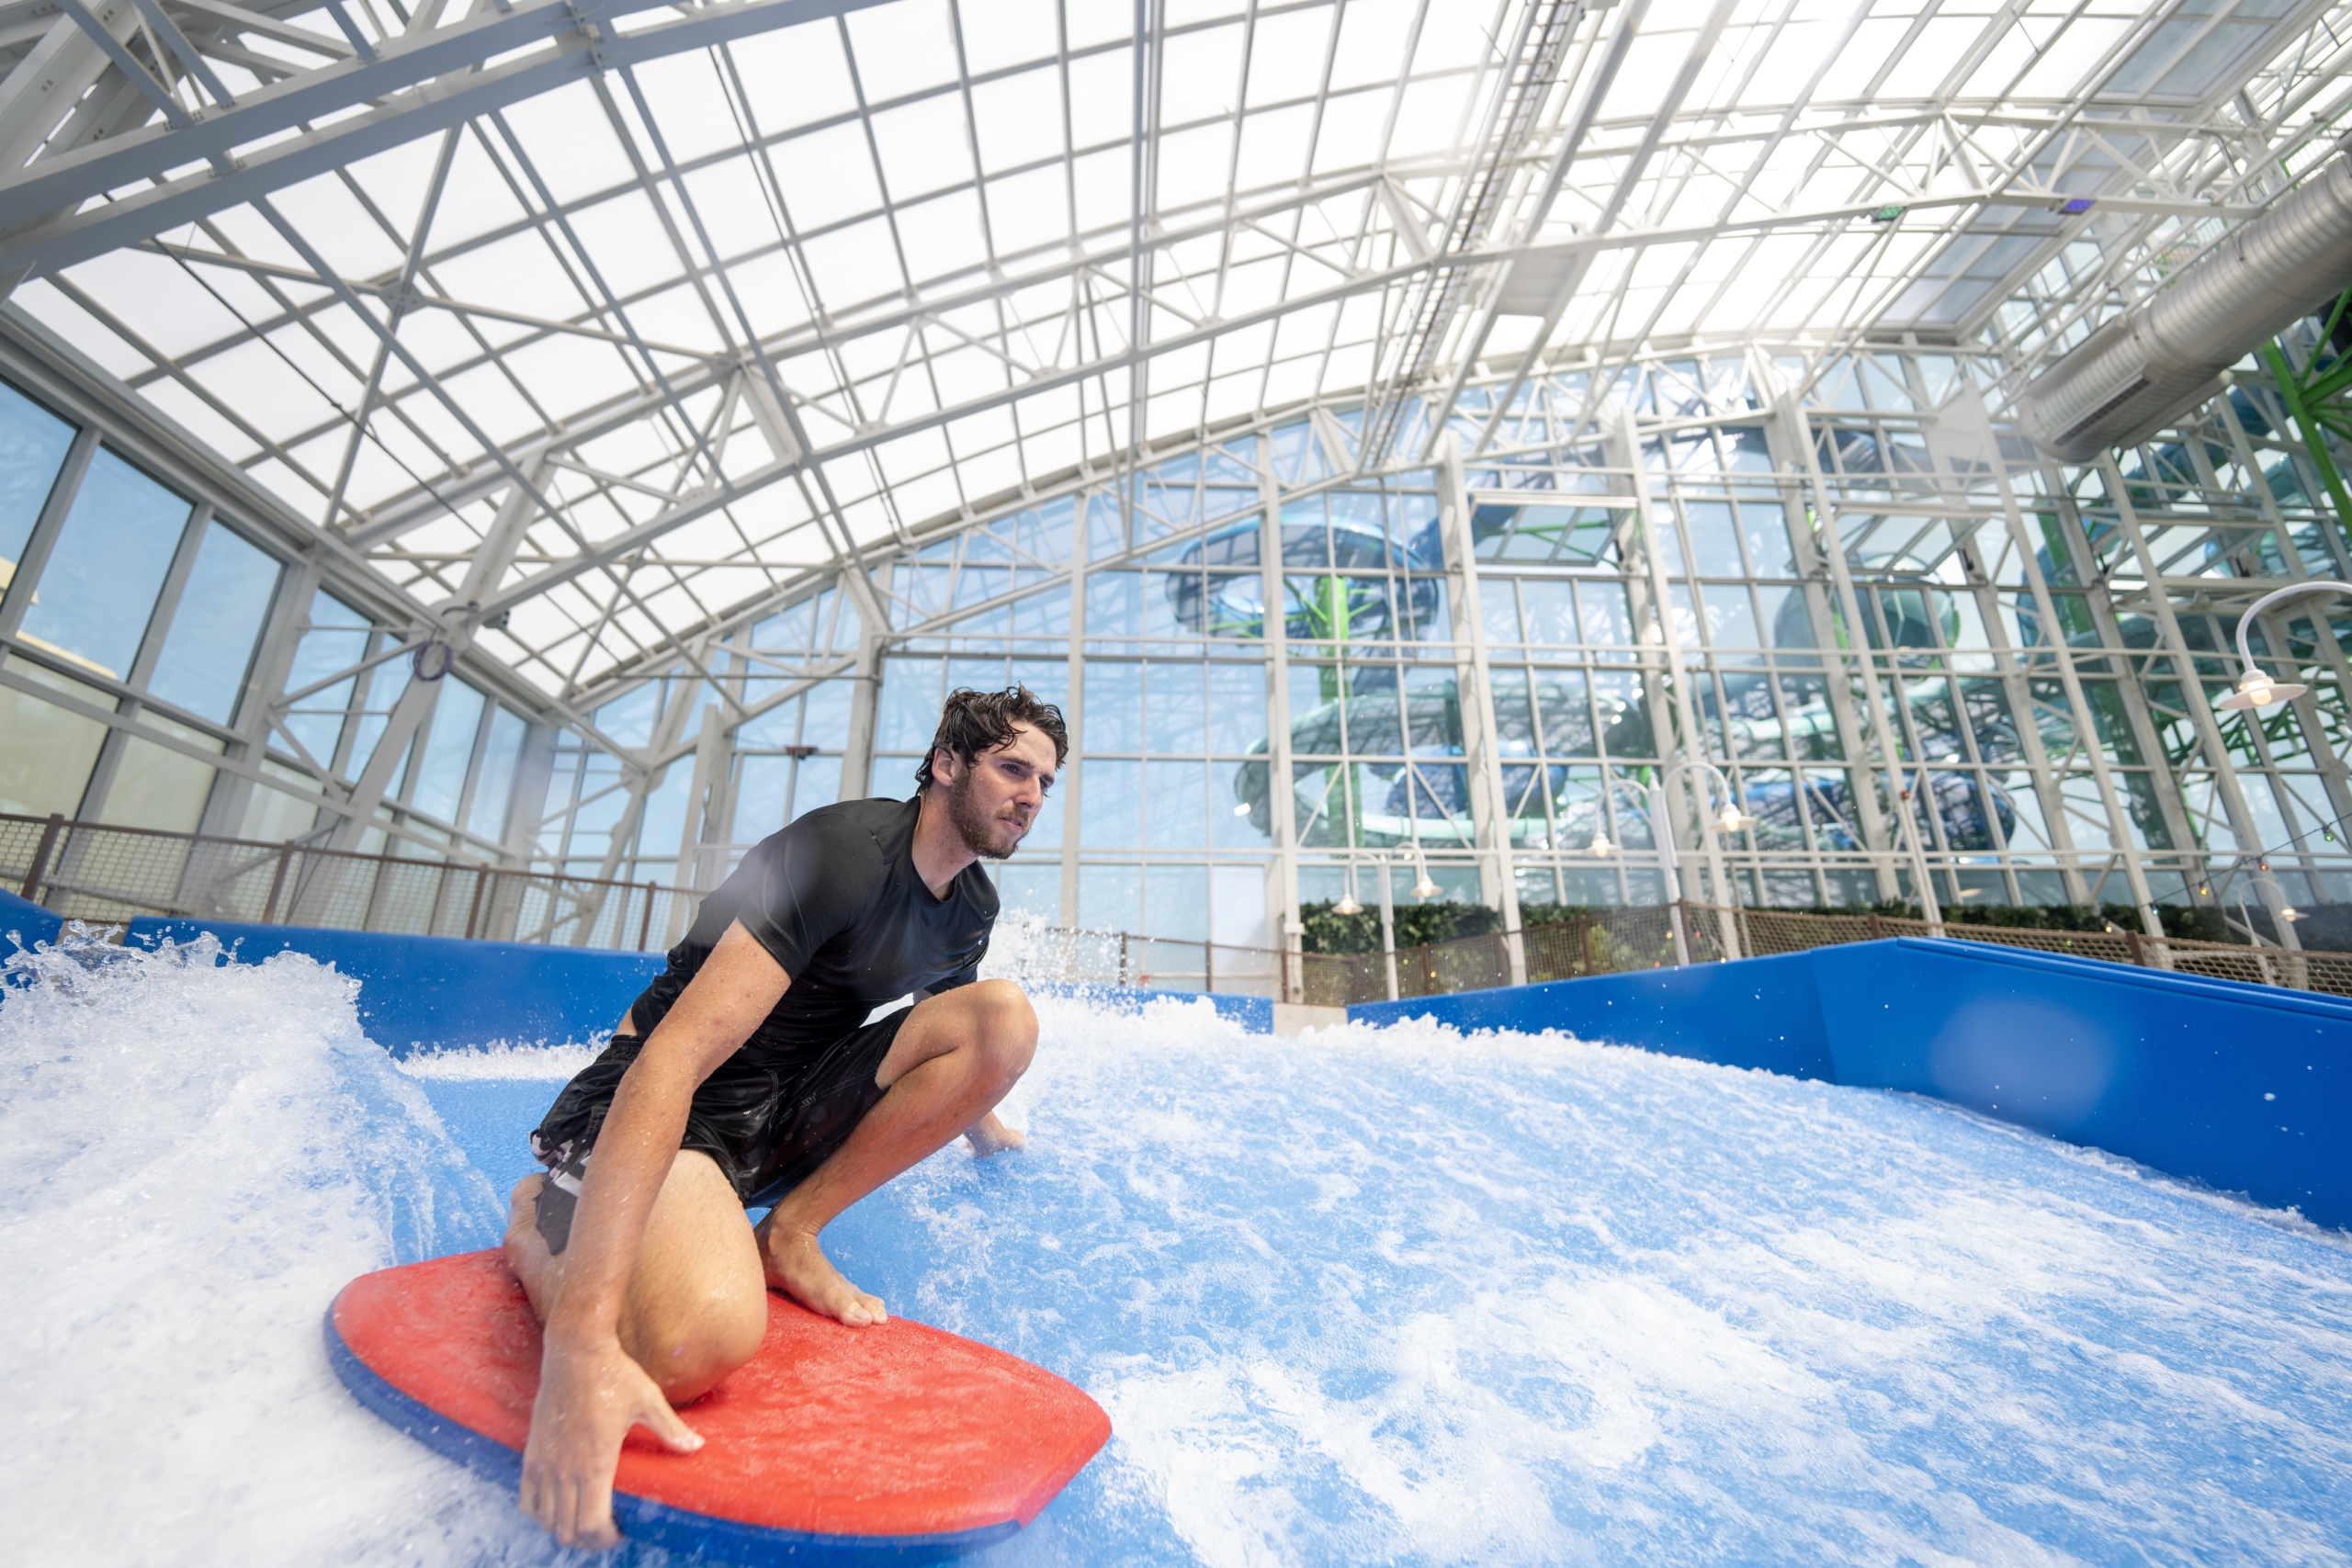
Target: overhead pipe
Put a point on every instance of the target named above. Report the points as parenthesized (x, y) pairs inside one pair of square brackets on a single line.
[(2162, 357)]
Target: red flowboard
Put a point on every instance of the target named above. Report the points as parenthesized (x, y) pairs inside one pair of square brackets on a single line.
[(890, 1431)]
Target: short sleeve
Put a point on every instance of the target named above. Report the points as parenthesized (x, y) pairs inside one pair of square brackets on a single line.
[(806, 894)]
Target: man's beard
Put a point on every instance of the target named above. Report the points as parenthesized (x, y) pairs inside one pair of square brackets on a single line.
[(978, 830)]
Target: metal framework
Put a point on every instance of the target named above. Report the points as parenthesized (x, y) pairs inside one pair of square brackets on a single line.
[(680, 376)]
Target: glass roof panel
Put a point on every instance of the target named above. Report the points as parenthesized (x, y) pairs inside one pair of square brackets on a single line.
[(733, 290)]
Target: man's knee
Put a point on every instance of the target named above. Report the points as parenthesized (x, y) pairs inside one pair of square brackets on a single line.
[(689, 1347), (1007, 1028)]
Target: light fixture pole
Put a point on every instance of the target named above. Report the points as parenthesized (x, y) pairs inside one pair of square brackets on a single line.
[(2256, 691), (1730, 819), (1387, 929), (1350, 907), (1423, 889), (1654, 802), (2257, 688), (1929, 904)]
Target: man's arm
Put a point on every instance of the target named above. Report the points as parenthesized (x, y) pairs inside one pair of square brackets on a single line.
[(591, 1392)]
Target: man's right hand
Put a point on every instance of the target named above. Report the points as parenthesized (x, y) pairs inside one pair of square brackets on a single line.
[(591, 1394)]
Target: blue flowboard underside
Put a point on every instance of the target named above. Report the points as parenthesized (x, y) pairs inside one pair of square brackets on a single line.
[(705, 1536)]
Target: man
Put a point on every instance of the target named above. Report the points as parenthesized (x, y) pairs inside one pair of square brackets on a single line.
[(747, 1074)]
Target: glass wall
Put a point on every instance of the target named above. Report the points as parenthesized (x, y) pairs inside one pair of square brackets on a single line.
[(136, 622), (1837, 593), (1834, 593)]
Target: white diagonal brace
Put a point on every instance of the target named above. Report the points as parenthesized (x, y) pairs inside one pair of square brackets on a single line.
[(460, 615)]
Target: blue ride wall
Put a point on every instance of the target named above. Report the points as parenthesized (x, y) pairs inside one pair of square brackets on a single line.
[(25, 920), (2246, 1088), (433, 993)]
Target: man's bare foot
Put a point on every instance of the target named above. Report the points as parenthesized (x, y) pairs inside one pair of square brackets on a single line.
[(522, 1214), (991, 1135), (799, 1266)]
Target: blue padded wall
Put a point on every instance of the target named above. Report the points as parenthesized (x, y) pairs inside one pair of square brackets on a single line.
[(432, 992), (22, 924), (2246, 1088), (26, 922), (1759, 1013)]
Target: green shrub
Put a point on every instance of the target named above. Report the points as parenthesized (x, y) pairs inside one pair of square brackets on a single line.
[(1328, 931)]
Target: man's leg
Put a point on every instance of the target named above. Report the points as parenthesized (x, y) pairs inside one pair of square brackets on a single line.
[(697, 1305), (954, 1058)]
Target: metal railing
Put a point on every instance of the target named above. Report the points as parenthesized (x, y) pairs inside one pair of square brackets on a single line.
[(106, 874), (1062, 956)]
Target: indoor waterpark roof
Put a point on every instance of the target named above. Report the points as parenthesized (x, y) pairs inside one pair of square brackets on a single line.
[(616, 318)]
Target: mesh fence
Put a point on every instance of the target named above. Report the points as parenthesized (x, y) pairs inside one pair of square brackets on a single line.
[(106, 874), (1785, 930)]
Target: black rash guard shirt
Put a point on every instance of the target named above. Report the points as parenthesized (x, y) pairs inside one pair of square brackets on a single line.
[(836, 901)]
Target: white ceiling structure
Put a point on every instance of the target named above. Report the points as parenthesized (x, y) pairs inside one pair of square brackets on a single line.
[(610, 320)]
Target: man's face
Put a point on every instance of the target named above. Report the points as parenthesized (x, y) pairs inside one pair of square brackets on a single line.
[(995, 800)]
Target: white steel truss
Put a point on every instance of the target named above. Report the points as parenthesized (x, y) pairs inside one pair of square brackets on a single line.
[(571, 338)]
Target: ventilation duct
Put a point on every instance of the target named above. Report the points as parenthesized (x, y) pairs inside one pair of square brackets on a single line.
[(2160, 357)]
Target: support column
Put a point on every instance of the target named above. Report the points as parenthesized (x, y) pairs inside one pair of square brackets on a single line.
[(143, 662), (1282, 890), (2192, 689), (666, 730), (18, 595), (1081, 544), (693, 872), (1682, 743), (1858, 632), (1961, 438), (1475, 701), (865, 696), (281, 638), (2018, 693), (1838, 680), (2132, 689)]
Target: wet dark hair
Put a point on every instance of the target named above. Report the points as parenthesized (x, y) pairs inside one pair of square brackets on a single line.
[(973, 722)]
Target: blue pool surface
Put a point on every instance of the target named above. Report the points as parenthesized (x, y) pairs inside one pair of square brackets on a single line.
[(1401, 1296), (1371, 1295)]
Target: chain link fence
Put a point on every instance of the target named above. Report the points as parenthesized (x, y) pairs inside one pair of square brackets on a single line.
[(108, 874)]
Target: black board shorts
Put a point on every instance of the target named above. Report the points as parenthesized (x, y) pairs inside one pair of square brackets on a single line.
[(768, 1121)]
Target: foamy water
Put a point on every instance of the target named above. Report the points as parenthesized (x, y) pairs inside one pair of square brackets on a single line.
[(1371, 1295), (193, 1160)]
